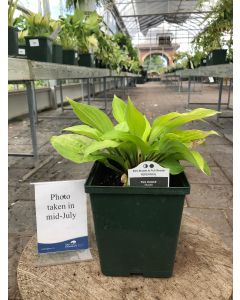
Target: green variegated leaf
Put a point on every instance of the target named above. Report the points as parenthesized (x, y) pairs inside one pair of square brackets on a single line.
[(96, 146), (119, 108), (91, 116), (85, 130), (135, 120), (71, 146)]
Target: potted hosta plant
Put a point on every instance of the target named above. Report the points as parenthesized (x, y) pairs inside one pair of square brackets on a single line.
[(87, 28), (38, 43), (136, 227), (68, 40), (12, 31)]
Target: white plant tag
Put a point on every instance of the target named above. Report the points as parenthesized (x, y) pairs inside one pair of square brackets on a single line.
[(61, 212), (76, 55), (149, 174), (21, 51), (34, 43)]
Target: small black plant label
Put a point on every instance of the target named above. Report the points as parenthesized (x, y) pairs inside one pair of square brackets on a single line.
[(61, 213), (148, 174)]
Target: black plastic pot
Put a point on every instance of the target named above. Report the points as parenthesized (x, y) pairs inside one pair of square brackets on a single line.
[(57, 54), (70, 57), (39, 48), (136, 228), (217, 57), (203, 62), (12, 41), (99, 64), (86, 60), (22, 51)]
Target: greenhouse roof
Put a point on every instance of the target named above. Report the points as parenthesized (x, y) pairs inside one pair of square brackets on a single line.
[(146, 18)]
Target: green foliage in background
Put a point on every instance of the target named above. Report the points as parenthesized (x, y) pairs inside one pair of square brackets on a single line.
[(133, 139), (219, 25), (12, 4)]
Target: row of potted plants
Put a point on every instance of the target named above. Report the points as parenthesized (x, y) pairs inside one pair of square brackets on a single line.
[(77, 39)]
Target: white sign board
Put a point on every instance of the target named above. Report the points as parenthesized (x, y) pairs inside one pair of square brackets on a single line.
[(61, 212), (34, 43), (149, 174)]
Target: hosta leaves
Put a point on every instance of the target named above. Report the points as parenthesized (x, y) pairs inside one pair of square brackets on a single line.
[(173, 165), (85, 130), (119, 108), (147, 130), (71, 146), (170, 122), (91, 116), (126, 137), (95, 146), (135, 120)]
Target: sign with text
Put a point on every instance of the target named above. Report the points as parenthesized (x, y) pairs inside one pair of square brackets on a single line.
[(149, 174), (61, 212)]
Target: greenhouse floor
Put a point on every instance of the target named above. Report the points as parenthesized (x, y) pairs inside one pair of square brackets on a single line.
[(210, 198)]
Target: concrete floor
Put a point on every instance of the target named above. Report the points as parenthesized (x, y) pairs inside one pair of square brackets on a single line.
[(210, 198)]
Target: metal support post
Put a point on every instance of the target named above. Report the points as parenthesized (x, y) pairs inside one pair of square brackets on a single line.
[(220, 96), (61, 94), (229, 93), (189, 90), (88, 90), (31, 98), (104, 91)]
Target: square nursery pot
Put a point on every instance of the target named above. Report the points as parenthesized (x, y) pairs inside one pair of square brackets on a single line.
[(22, 51), (86, 60), (136, 228), (57, 54), (12, 41), (39, 48), (217, 57), (70, 57), (99, 64)]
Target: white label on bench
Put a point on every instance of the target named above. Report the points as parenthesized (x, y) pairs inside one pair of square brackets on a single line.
[(61, 212), (34, 43), (149, 174), (21, 51)]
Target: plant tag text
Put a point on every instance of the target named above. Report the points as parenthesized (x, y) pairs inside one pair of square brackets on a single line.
[(21, 51), (34, 43), (61, 213), (149, 174)]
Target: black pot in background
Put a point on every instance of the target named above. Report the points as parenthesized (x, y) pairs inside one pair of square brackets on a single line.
[(57, 54), (39, 48), (99, 64), (70, 57), (22, 51), (12, 41), (86, 60), (203, 62), (217, 57)]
